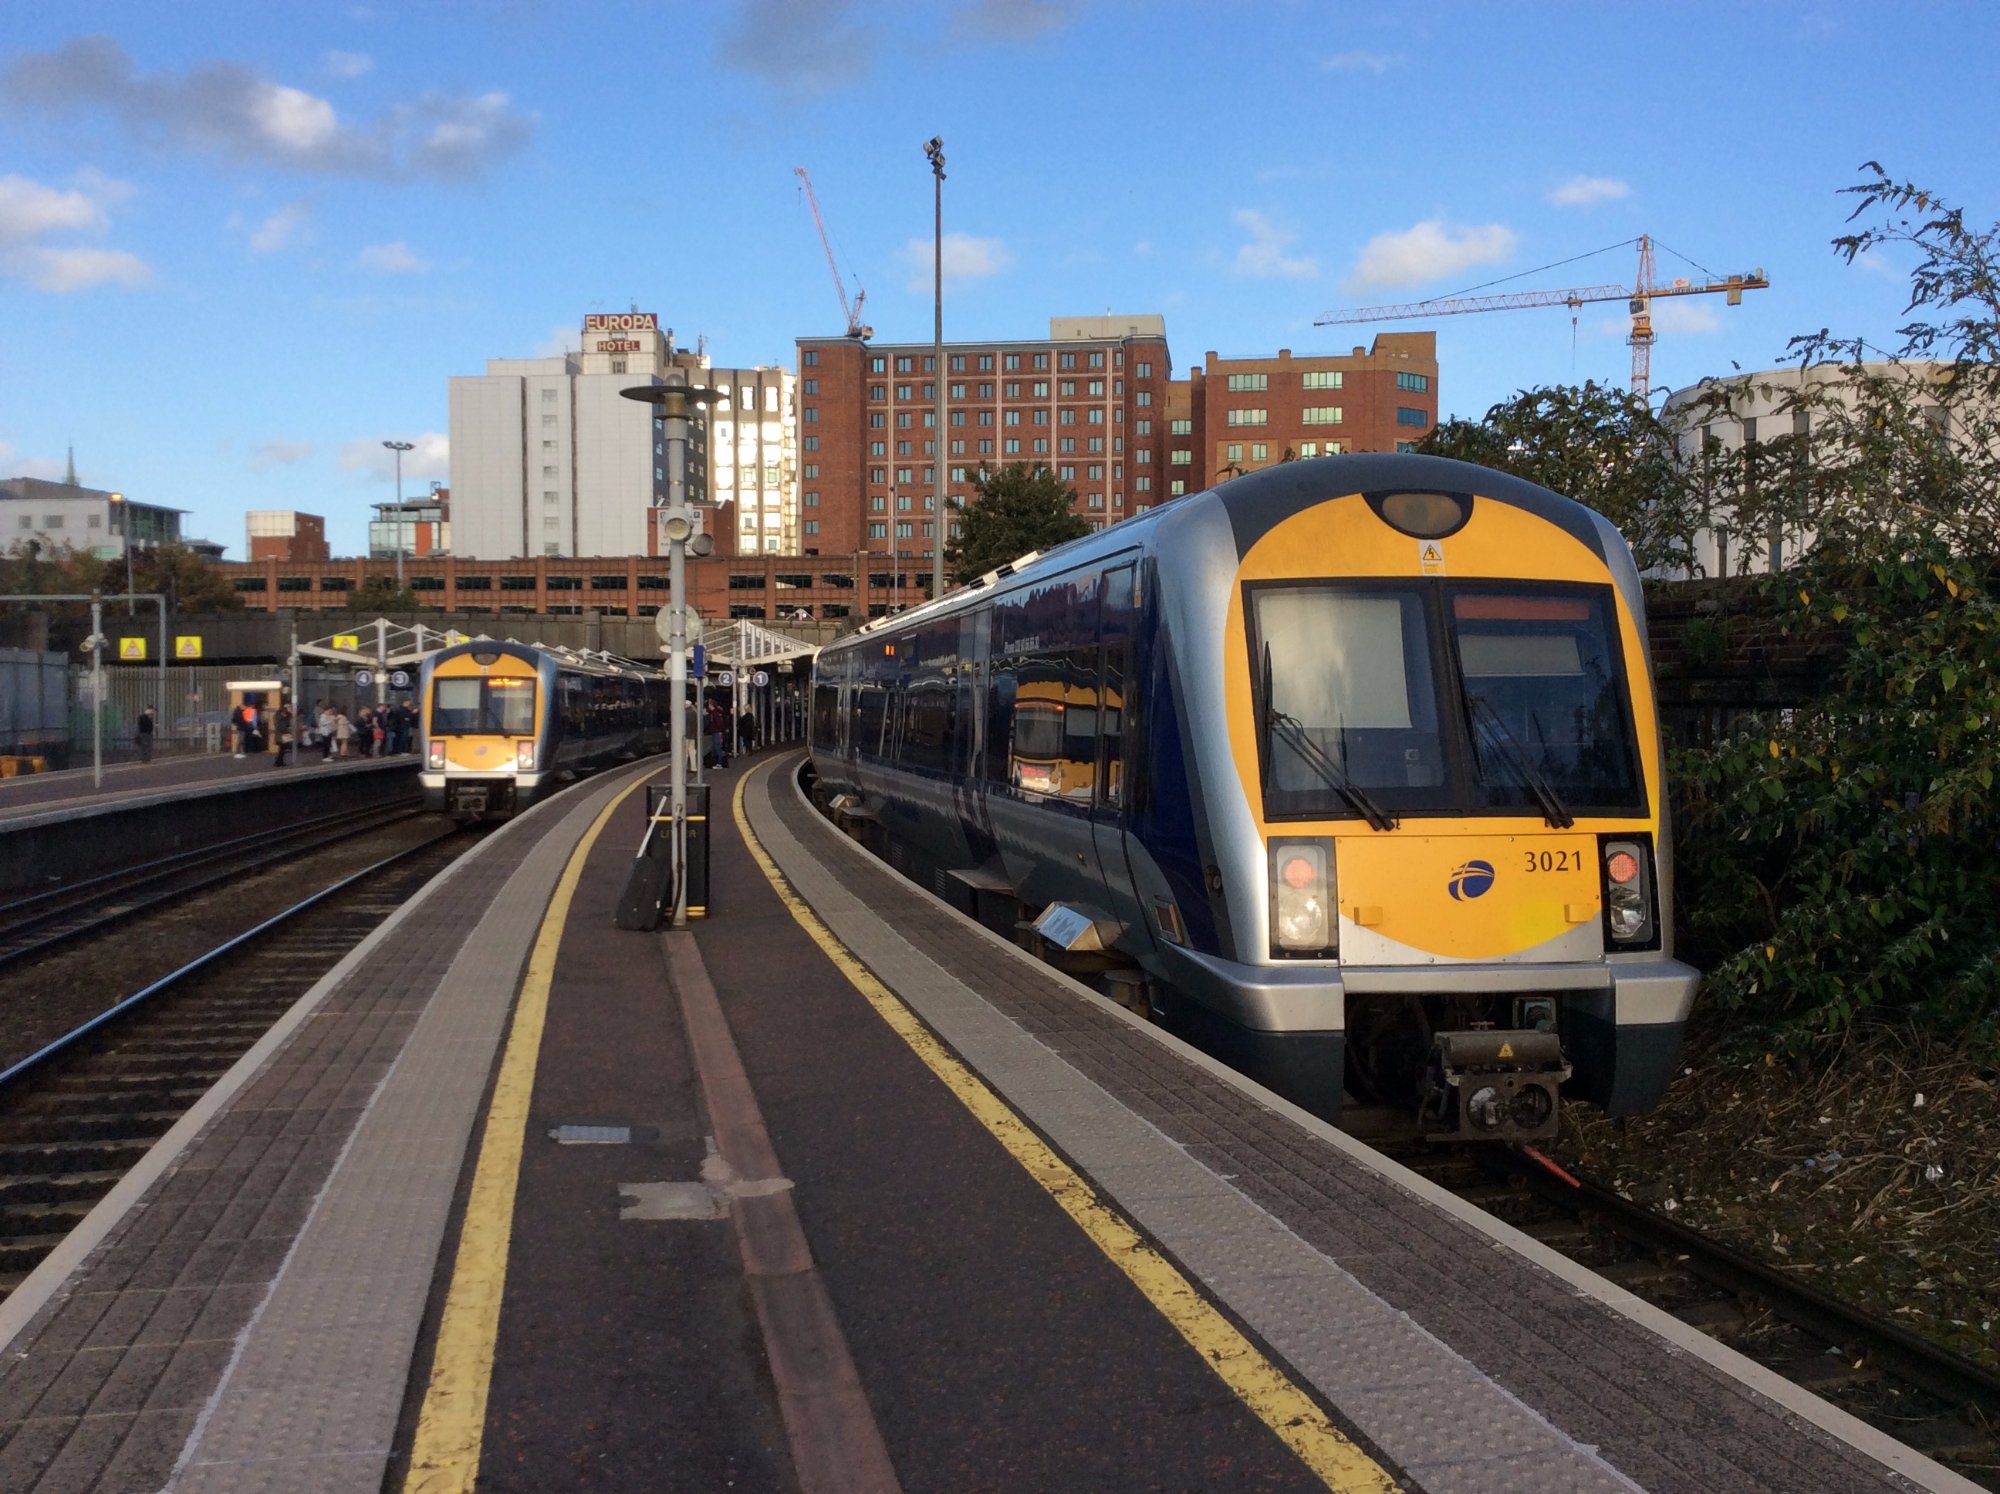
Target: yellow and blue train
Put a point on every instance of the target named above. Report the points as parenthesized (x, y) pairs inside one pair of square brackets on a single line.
[(505, 724), (1348, 770)]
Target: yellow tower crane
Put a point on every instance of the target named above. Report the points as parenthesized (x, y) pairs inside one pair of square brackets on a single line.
[(1638, 296), (851, 311)]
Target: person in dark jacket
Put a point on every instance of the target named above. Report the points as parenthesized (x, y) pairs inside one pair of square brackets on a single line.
[(281, 733), (746, 731), (142, 734)]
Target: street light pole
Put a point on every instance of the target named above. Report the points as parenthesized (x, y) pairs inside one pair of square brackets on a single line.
[(125, 535), (399, 447), (934, 150), (672, 403)]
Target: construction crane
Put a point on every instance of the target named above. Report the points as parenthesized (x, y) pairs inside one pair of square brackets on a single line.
[(852, 312), (1638, 296)]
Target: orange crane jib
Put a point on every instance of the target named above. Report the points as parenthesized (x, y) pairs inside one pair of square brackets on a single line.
[(1637, 296)]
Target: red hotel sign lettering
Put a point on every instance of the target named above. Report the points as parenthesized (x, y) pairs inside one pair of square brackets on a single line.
[(622, 321)]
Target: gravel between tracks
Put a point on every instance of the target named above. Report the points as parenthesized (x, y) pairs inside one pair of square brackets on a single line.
[(41, 1001)]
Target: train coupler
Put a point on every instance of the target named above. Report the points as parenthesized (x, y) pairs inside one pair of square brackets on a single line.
[(1493, 1085)]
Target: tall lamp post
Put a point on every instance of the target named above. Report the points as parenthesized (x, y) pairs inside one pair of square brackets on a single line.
[(399, 447), (672, 404), (124, 517), (934, 151)]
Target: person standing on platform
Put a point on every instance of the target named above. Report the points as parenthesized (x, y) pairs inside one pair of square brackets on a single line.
[(343, 733), (281, 732), (253, 728), (364, 731), (143, 735), (324, 723), (691, 733), (746, 731)]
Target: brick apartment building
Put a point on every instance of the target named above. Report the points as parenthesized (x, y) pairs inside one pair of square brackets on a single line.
[(1234, 415), (1088, 402), (1095, 402)]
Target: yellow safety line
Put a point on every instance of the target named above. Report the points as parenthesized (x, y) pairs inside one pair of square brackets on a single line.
[(1264, 1388), (445, 1454)]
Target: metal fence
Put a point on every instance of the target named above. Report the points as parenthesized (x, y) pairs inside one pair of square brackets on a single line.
[(34, 702)]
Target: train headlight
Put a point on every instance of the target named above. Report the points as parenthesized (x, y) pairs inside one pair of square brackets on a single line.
[(524, 755), (1302, 896), (1628, 892), (434, 757)]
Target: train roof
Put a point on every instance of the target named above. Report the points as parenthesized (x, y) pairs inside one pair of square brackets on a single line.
[(1258, 501), (575, 661)]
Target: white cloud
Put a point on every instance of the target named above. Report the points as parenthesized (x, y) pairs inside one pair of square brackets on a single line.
[(393, 259), (1264, 256), (226, 109), (1671, 315), (966, 257), (276, 231), (1360, 62), (281, 453), (1429, 251), (28, 210), (562, 338), (346, 64), (1143, 247), (1582, 191), (64, 270), (31, 211), (430, 459), (14, 465), (1877, 264)]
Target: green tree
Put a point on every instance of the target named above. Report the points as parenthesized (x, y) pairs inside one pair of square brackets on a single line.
[(189, 582), (1017, 509), (380, 594), (1603, 447)]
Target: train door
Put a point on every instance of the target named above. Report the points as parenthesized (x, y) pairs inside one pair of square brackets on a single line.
[(1117, 709)]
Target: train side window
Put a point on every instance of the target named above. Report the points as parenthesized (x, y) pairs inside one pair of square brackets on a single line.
[(871, 711)]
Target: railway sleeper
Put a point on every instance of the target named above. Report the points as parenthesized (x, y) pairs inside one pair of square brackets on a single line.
[(65, 1215), (95, 1156), (25, 1254), (53, 1186), (1719, 1319)]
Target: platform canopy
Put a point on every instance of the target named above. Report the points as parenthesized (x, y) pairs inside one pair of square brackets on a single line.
[(382, 644), (741, 643)]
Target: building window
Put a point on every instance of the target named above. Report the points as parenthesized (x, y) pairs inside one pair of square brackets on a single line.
[(809, 443), (1233, 452), (878, 365), (1143, 399), (812, 358), (1259, 452), (1013, 363), (809, 500), (1406, 416), (1248, 417), (1325, 378), (250, 583), (1012, 446), (295, 583), (548, 396), (1406, 446), (1142, 370), (1413, 381), (1176, 488), (1320, 415), (1180, 427), (1249, 383), (336, 583), (1180, 459), (810, 415), (1142, 484), (516, 583), (1097, 360)]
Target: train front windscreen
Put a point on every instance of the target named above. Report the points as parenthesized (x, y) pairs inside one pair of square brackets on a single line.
[(483, 707), (1444, 699)]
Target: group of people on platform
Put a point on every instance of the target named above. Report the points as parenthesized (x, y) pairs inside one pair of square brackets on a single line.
[(715, 734), (379, 731)]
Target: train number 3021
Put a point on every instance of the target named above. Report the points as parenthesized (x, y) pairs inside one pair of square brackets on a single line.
[(1554, 861)]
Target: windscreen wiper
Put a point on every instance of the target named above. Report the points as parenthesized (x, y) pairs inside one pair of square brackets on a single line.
[(1315, 757), (1509, 747)]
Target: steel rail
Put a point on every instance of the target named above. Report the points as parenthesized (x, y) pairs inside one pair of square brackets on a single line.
[(1890, 1347), (276, 846), (41, 1058)]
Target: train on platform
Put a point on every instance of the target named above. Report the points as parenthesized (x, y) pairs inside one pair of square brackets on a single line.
[(504, 724), (1347, 770)]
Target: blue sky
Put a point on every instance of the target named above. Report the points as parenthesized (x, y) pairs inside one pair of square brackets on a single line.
[(241, 244)]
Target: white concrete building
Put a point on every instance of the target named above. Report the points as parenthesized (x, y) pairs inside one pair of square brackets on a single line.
[(547, 457), (1765, 405), (93, 521)]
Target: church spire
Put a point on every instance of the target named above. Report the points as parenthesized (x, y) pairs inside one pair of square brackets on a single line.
[(71, 478)]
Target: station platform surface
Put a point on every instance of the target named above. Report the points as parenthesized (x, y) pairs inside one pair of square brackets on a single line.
[(38, 793), (833, 1191)]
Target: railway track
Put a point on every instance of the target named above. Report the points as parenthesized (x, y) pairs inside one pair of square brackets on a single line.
[(33, 925), (1938, 1402), (80, 1112)]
